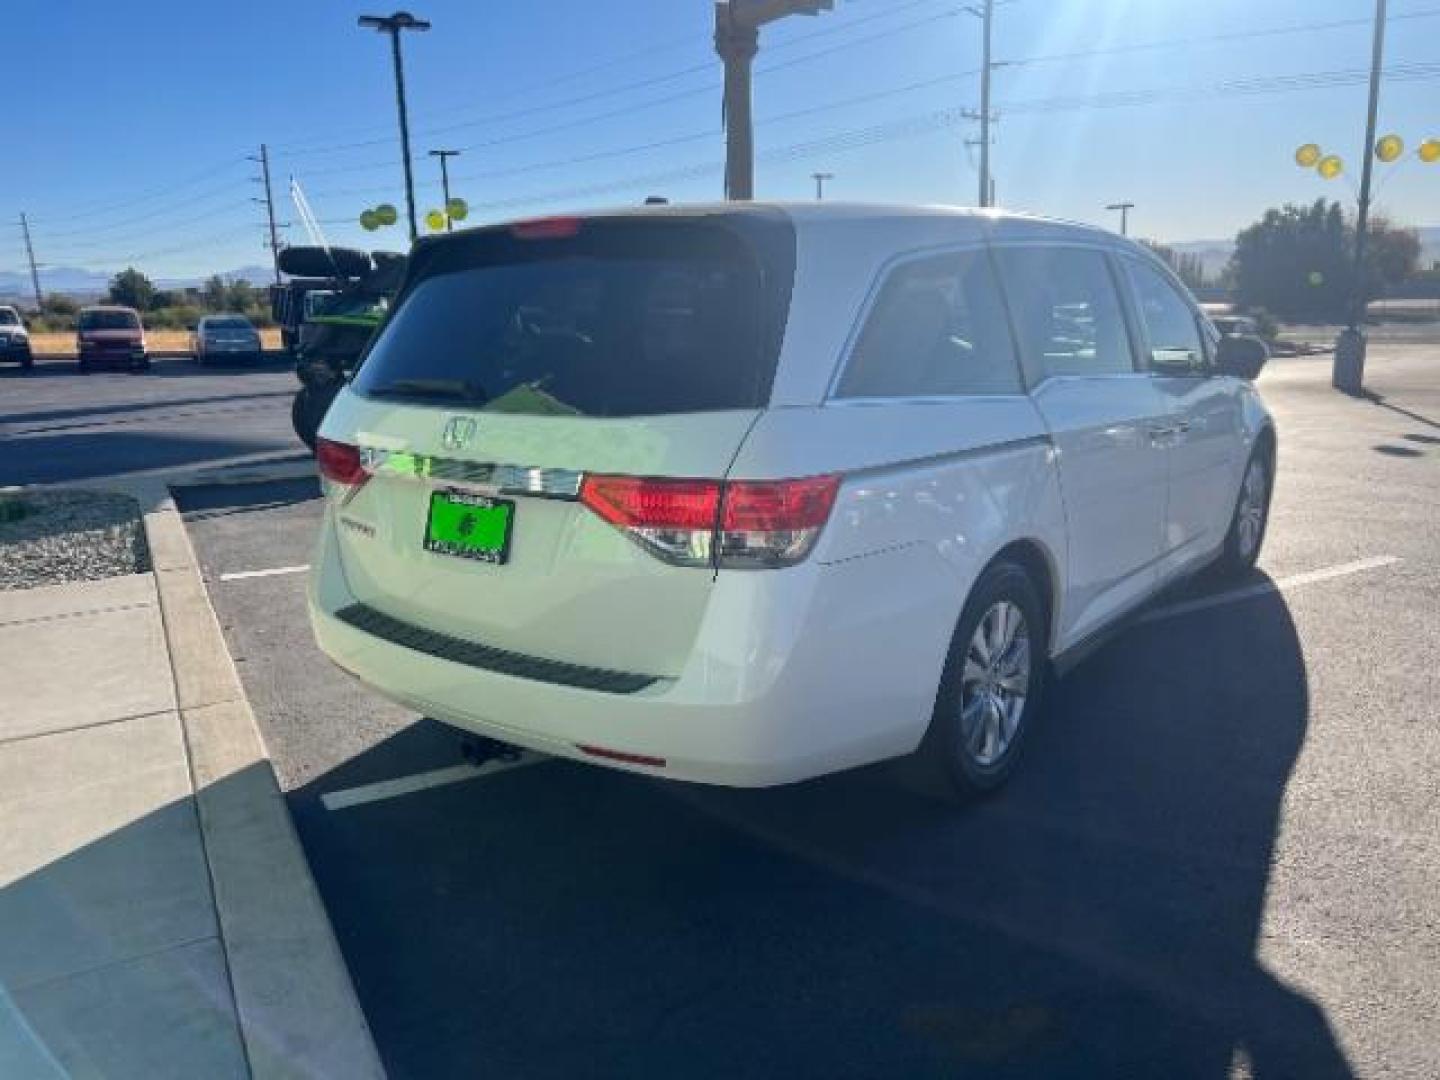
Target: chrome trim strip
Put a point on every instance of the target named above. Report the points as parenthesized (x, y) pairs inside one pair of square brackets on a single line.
[(505, 479)]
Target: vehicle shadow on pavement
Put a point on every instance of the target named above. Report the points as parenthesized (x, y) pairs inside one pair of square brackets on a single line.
[(43, 459), (1099, 918)]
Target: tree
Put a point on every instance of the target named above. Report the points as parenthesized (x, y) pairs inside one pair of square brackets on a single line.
[(240, 295), (1298, 262), (215, 293), (1189, 267), (132, 288)]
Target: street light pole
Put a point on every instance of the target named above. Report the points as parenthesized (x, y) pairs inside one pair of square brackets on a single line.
[(393, 25), (1124, 208), (820, 178), (1348, 372), (987, 193), (445, 156)]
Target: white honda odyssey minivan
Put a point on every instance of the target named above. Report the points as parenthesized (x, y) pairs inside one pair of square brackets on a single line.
[(744, 494)]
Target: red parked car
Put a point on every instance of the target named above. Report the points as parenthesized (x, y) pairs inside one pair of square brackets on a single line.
[(110, 335)]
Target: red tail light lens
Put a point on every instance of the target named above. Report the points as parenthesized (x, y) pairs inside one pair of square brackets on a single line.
[(773, 505), (652, 503), (340, 463), (743, 524)]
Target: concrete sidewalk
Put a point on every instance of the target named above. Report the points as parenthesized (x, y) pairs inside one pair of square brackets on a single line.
[(110, 958), (157, 915)]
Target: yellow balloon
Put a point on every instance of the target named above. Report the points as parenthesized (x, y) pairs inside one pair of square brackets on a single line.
[(1389, 147), (1430, 151), (1330, 166), (368, 221), (1307, 155), (435, 220)]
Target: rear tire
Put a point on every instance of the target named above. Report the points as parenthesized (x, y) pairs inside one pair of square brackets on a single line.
[(85, 366), (1250, 517), (993, 684), (27, 362)]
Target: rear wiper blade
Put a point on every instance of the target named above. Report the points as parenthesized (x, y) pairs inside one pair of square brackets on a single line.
[(457, 389)]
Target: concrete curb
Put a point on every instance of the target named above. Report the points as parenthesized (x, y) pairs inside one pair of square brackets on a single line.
[(297, 1008)]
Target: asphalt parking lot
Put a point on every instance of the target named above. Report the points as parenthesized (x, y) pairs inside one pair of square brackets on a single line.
[(60, 425), (1221, 857)]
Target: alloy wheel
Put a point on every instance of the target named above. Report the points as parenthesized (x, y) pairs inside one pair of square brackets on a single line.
[(994, 683)]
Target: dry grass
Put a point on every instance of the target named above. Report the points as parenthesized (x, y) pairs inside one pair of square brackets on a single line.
[(62, 343)]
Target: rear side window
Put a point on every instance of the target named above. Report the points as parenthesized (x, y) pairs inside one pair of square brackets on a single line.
[(1066, 311), (8, 317), (937, 329), (1170, 323), (624, 318)]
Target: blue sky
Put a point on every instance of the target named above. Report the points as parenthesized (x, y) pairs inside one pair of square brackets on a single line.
[(128, 124)]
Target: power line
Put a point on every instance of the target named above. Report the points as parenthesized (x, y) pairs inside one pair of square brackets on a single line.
[(153, 193), (924, 123), (707, 66)]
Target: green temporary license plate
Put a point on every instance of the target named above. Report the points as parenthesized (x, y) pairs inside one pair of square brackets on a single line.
[(470, 526)]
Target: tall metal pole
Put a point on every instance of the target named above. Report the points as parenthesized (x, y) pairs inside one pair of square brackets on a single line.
[(820, 178), (986, 190), (270, 210), (1348, 370), (737, 43), (34, 270), (1124, 208), (444, 156), (393, 25), (404, 132), (1362, 219)]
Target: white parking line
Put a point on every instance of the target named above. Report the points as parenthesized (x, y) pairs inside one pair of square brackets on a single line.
[(1264, 588), (407, 785), (241, 574)]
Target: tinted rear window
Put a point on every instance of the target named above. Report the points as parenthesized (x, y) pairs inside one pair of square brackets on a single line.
[(227, 324), (629, 317), (109, 320)]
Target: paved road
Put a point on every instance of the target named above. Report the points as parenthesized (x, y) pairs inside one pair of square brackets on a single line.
[(57, 424), (1221, 858)]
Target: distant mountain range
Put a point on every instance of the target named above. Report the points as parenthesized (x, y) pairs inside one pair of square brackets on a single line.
[(84, 284), (81, 283)]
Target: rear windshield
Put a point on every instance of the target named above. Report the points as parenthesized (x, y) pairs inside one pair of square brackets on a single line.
[(109, 320), (227, 324), (628, 317)]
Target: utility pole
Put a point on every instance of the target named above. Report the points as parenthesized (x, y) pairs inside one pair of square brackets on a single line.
[(987, 190), (1348, 371), (737, 39), (820, 178), (34, 269), (1124, 208), (394, 25), (264, 160), (444, 156)]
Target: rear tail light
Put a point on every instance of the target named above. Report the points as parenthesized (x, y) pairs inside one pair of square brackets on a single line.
[(738, 524), (340, 463)]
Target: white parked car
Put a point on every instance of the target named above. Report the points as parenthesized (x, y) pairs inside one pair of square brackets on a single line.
[(745, 494)]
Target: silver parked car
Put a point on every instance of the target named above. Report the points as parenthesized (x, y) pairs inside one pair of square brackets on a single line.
[(226, 337)]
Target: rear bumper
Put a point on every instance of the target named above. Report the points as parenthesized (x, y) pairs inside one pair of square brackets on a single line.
[(794, 674)]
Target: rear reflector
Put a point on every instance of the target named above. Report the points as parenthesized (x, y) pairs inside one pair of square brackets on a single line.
[(739, 524), (340, 462), (618, 755), (550, 228)]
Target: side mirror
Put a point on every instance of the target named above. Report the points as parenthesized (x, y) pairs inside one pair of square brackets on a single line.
[(1242, 357)]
